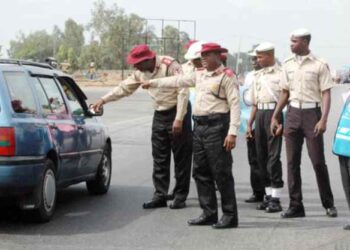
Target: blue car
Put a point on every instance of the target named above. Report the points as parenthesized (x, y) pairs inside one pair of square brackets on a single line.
[(49, 138)]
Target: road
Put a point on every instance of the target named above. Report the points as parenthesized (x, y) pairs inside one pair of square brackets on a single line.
[(117, 220)]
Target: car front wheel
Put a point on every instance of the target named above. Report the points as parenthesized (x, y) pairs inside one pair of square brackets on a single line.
[(100, 184)]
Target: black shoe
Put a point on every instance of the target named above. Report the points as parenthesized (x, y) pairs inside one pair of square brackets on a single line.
[(274, 206), (154, 204), (226, 221), (293, 212), (255, 198), (177, 205), (169, 197), (203, 220), (346, 227), (332, 212), (264, 204)]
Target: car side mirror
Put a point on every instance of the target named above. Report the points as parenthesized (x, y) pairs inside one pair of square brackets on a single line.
[(91, 111)]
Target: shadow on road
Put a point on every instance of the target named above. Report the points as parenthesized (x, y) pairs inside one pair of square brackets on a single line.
[(79, 213)]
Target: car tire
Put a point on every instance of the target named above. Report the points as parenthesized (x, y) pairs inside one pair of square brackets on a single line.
[(100, 184), (46, 194)]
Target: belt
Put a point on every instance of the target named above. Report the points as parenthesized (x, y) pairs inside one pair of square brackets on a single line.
[(166, 112), (212, 119), (267, 106), (304, 105)]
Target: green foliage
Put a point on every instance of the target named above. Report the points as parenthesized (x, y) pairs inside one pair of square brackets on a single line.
[(36, 46), (113, 34)]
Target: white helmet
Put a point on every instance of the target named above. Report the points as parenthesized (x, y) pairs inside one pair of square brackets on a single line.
[(194, 51)]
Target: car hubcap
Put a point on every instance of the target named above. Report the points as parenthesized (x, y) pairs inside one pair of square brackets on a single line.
[(49, 190), (105, 170)]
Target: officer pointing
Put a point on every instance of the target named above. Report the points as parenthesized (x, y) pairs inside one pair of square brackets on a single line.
[(171, 127), (216, 119)]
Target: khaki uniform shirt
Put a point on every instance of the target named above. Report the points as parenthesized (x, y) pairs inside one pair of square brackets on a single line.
[(306, 80), (163, 99), (266, 86), (210, 98), (188, 67)]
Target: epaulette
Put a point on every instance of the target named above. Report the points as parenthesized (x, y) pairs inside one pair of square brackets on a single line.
[(167, 61), (229, 72), (288, 59), (320, 59)]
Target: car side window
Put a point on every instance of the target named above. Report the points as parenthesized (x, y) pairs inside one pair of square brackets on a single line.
[(43, 99), (22, 98), (72, 98), (54, 96)]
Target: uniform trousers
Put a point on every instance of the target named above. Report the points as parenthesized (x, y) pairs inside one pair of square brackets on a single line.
[(255, 173), (300, 124), (345, 176), (213, 164), (163, 143), (268, 148)]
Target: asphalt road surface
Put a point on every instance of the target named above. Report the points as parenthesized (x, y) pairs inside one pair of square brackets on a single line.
[(117, 220)]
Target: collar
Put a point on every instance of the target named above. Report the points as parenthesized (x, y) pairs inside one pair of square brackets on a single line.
[(309, 56), (270, 69), (216, 72)]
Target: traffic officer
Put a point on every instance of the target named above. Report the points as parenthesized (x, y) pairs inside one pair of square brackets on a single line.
[(264, 95), (193, 57), (256, 181), (171, 128), (217, 119), (306, 82)]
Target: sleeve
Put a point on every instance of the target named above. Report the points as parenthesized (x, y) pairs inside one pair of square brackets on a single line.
[(125, 88), (185, 81), (183, 94), (325, 78), (232, 96), (252, 92), (284, 79)]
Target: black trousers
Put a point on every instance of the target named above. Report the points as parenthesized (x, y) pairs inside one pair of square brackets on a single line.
[(255, 173), (268, 148), (212, 164), (301, 123), (345, 176), (163, 142)]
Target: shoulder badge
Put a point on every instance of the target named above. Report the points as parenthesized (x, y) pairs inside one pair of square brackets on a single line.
[(167, 61), (229, 72)]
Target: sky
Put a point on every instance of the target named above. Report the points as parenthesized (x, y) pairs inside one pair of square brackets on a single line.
[(236, 24)]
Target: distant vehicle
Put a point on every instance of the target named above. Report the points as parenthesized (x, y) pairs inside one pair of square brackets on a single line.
[(49, 138)]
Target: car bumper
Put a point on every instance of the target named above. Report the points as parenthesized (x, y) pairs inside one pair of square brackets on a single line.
[(19, 175)]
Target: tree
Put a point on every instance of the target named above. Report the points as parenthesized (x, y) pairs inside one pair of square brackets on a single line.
[(73, 37), (173, 43), (36, 46), (91, 53)]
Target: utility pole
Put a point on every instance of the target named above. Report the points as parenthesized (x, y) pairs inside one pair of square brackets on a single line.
[(238, 55)]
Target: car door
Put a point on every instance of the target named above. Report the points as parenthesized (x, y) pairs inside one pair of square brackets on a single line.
[(90, 131), (63, 129)]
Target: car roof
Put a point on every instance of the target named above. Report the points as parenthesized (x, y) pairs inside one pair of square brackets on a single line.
[(39, 69)]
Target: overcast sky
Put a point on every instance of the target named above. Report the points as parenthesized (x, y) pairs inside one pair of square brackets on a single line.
[(223, 21)]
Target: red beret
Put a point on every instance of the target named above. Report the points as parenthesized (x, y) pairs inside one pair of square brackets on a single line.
[(212, 47), (140, 53)]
